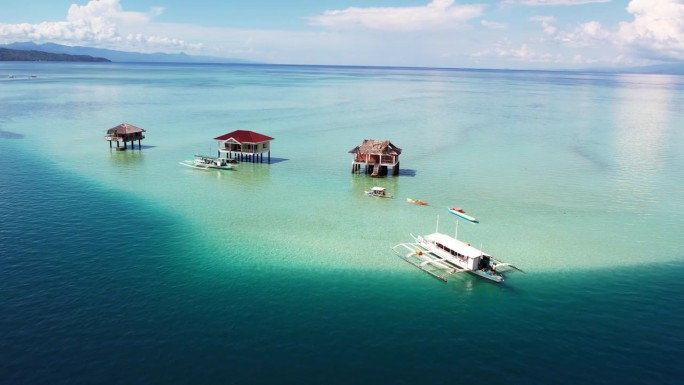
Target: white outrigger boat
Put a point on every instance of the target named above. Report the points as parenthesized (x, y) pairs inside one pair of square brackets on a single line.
[(209, 162), (378, 192), (441, 255)]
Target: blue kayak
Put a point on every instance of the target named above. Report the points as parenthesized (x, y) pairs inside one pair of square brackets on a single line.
[(459, 212)]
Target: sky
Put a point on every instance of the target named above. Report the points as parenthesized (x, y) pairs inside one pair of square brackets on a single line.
[(497, 34)]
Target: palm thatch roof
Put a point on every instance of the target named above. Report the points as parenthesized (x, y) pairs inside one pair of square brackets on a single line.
[(376, 147), (124, 129)]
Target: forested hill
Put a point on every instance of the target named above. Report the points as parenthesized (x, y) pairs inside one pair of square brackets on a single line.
[(7, 54)]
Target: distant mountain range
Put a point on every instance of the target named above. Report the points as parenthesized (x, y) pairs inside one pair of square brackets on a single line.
[(665, 69), (117, 56), (7, 54), (41, 52)]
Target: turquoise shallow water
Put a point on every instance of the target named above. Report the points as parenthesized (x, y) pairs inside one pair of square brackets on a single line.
[(126, 267)]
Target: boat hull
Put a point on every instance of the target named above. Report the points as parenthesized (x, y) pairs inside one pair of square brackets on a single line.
[(377, 192), (416, 202), (486, 274), (192, 165), (463, 215), (205, 166)]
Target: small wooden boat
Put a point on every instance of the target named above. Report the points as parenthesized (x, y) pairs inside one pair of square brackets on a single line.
[(378, 192), (460, 213), (416, 201)]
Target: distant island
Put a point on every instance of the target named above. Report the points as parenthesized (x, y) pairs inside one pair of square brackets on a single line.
[(119, 56), (7, 54)]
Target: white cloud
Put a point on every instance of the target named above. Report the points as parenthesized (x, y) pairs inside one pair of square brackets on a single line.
[(656, 33), (585, 35), (493, 25), (101, 23), (507, 50), (436, 14), (657, 30), (546, 23), (108, 10), (553, 3)]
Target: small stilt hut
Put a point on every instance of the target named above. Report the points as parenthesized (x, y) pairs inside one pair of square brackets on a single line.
[(377, 156), (125, 133), (245, 145)]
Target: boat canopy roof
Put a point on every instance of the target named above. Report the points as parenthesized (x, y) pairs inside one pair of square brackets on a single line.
[(378, 188), (455, 245)]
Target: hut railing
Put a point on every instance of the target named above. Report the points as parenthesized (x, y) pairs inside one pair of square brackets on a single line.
[(376, 159), (124, 137), (387, 159), (243, 149)]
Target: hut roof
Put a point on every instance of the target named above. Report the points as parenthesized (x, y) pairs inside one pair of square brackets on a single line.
[(244, 136), (124, 128), (376, 147)]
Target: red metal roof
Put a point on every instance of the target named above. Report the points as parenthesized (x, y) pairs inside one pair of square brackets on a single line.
[(244, 136)]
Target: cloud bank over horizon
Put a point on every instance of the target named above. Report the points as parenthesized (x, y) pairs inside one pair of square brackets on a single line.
[(100, 23), (511, 34)]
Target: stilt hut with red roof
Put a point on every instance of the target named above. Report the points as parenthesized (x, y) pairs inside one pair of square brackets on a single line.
[(125, 133), (245, 145), (377, 156)]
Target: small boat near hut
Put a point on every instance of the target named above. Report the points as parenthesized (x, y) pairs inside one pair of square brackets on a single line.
[(204, 162), (460, 213), (416, 202), (441, 255), (378, 192)]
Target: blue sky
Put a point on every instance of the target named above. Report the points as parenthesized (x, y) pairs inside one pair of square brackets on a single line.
[(517, 34)]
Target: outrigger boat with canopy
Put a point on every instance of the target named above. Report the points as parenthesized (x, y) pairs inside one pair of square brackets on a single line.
[(441, 255), (204, 162)]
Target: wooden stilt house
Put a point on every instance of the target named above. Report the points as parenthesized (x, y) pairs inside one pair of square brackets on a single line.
[(377, 156), (125, 133), (245, 145)]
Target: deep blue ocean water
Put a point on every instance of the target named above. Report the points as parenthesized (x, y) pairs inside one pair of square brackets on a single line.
[(108, 277)]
